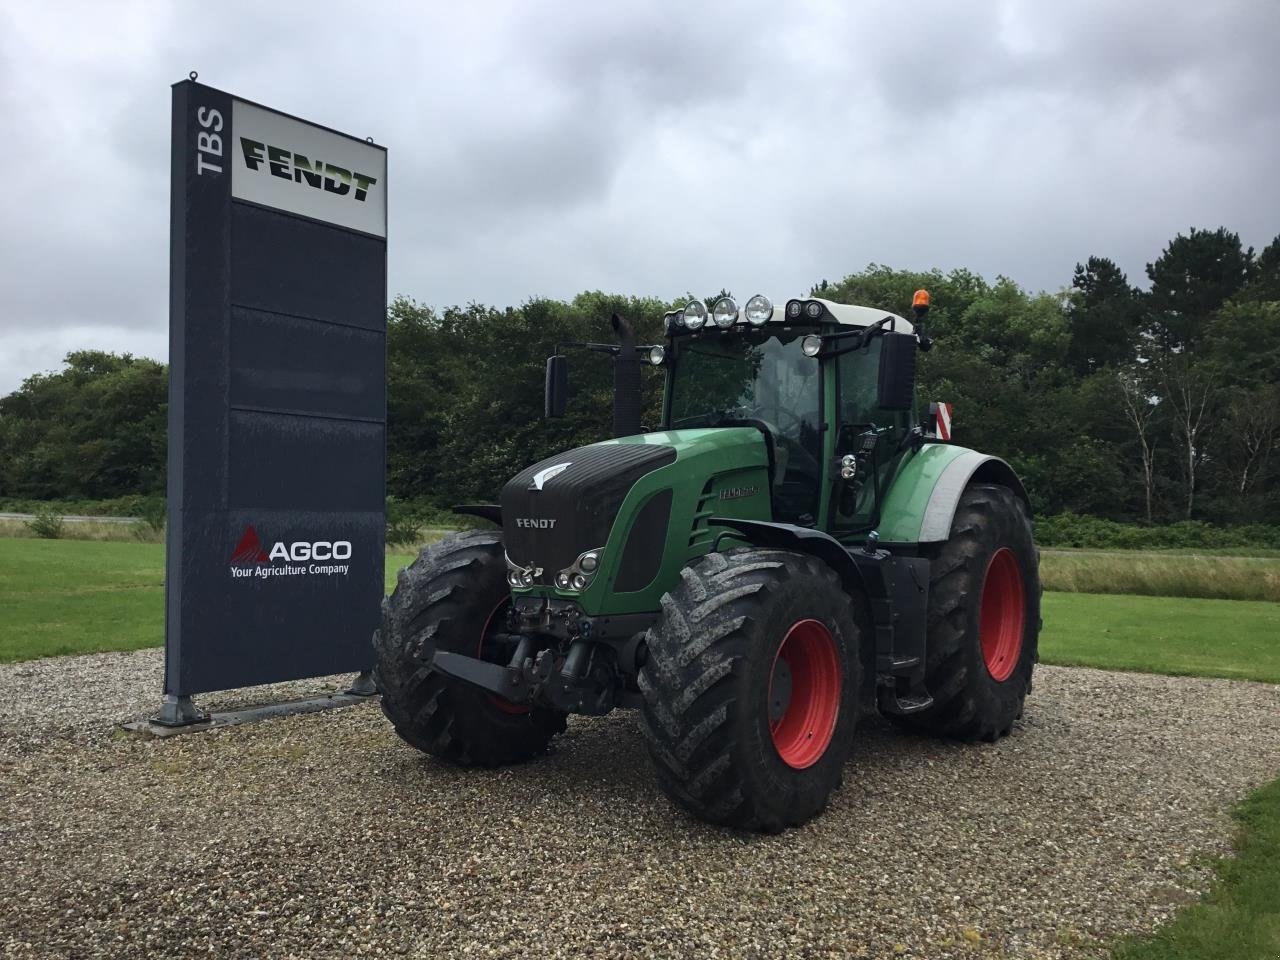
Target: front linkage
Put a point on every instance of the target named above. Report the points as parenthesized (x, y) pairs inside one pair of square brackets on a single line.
[(561, 659)]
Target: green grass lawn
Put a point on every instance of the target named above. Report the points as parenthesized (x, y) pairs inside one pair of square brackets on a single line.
[(79, 596), (1239, 639)]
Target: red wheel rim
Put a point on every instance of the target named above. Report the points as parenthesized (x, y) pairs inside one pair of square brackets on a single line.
[(491, 624), (802, 720), (1003, 614)]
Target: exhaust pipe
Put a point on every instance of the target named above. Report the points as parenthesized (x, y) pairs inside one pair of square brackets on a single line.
[(626, 380)]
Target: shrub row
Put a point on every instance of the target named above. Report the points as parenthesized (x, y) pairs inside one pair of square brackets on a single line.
[(134, 505), (1075, 530)]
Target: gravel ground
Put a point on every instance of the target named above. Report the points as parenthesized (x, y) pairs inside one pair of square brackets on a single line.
[(324, 836)]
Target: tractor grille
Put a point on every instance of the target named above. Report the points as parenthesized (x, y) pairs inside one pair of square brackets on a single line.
[(575, 509)]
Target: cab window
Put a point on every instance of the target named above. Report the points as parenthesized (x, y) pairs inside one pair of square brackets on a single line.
[(854, 505)]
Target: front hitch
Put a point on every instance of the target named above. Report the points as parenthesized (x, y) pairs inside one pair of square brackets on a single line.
[(582, 683), (509, 683)]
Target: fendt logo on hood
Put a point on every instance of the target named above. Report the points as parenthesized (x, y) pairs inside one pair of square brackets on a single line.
[(287, 165), (535, 523), (542, 476), (250, 558)]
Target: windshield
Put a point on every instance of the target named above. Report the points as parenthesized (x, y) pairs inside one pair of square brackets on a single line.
[(763, 377)]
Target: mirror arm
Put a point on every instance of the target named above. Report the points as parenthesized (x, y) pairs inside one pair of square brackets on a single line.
[(865, 337)]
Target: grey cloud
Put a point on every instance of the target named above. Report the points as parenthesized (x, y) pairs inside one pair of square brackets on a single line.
[(650, 149)]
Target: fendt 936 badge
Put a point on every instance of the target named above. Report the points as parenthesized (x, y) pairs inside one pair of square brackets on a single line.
[(796, 547)]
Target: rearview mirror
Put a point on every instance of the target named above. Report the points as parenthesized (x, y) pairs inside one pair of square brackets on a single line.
[(557, 387), (897, 384)]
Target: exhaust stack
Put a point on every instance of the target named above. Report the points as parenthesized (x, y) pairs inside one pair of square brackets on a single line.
[(626, 380)]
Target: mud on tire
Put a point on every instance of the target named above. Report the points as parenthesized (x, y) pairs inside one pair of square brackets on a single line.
[(449, 599), (979, 697), (708, 681)]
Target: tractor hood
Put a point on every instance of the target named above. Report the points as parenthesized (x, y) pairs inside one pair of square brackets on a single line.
[(561, 507)]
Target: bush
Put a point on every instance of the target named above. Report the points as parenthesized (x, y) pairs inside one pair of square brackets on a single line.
[(46, 524), (153, 514), (1074, 530), (144, 532), (404, 523)]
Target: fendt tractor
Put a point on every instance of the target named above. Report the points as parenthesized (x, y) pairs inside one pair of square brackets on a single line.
[(795, 548)]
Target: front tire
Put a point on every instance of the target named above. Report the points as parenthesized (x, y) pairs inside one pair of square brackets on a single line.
[(984, 619), (752, 688), (454, 598)]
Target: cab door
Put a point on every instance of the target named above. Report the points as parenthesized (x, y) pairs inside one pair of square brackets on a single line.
[(870, 434)]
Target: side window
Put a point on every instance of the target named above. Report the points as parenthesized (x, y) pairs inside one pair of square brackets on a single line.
[(858, 371)]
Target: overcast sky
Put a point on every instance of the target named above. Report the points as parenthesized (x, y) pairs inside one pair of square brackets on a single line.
[(647, 148)]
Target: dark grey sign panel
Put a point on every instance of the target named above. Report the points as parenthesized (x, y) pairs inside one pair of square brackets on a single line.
[(277, 397)]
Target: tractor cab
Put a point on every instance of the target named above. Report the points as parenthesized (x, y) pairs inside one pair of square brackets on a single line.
[(829, 386)]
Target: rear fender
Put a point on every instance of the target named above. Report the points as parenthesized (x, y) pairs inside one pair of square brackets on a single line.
[(922, 501)]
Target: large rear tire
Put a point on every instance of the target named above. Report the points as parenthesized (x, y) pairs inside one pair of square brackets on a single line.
[(751, 688), (984, 619), (454, 597)]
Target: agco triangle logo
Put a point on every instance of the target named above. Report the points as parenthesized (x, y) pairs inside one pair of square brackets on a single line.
[(249, 550)]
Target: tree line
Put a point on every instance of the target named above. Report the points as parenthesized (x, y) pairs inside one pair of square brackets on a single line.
[(1154, 404)]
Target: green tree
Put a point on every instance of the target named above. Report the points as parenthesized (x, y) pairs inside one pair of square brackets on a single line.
[(1194, 276), (1265, 285), (1104, 316), (94, 429)]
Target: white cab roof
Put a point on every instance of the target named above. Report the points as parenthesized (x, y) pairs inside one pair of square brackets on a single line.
[(848, 315)]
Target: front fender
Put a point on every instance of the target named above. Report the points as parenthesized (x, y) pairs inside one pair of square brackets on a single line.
[(787, 536), (926, 491)]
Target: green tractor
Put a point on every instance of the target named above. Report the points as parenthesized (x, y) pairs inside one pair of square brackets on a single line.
[(795, 548)]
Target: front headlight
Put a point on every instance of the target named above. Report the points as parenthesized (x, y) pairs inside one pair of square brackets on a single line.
[(657, 355), (520, 577), (725, 313), (811, 345), (578, 577), (695, 315), (759, 309)]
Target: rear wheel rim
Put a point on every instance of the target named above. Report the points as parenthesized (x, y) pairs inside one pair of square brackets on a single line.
[(1003, 614), (490, 652), (807, 679)]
